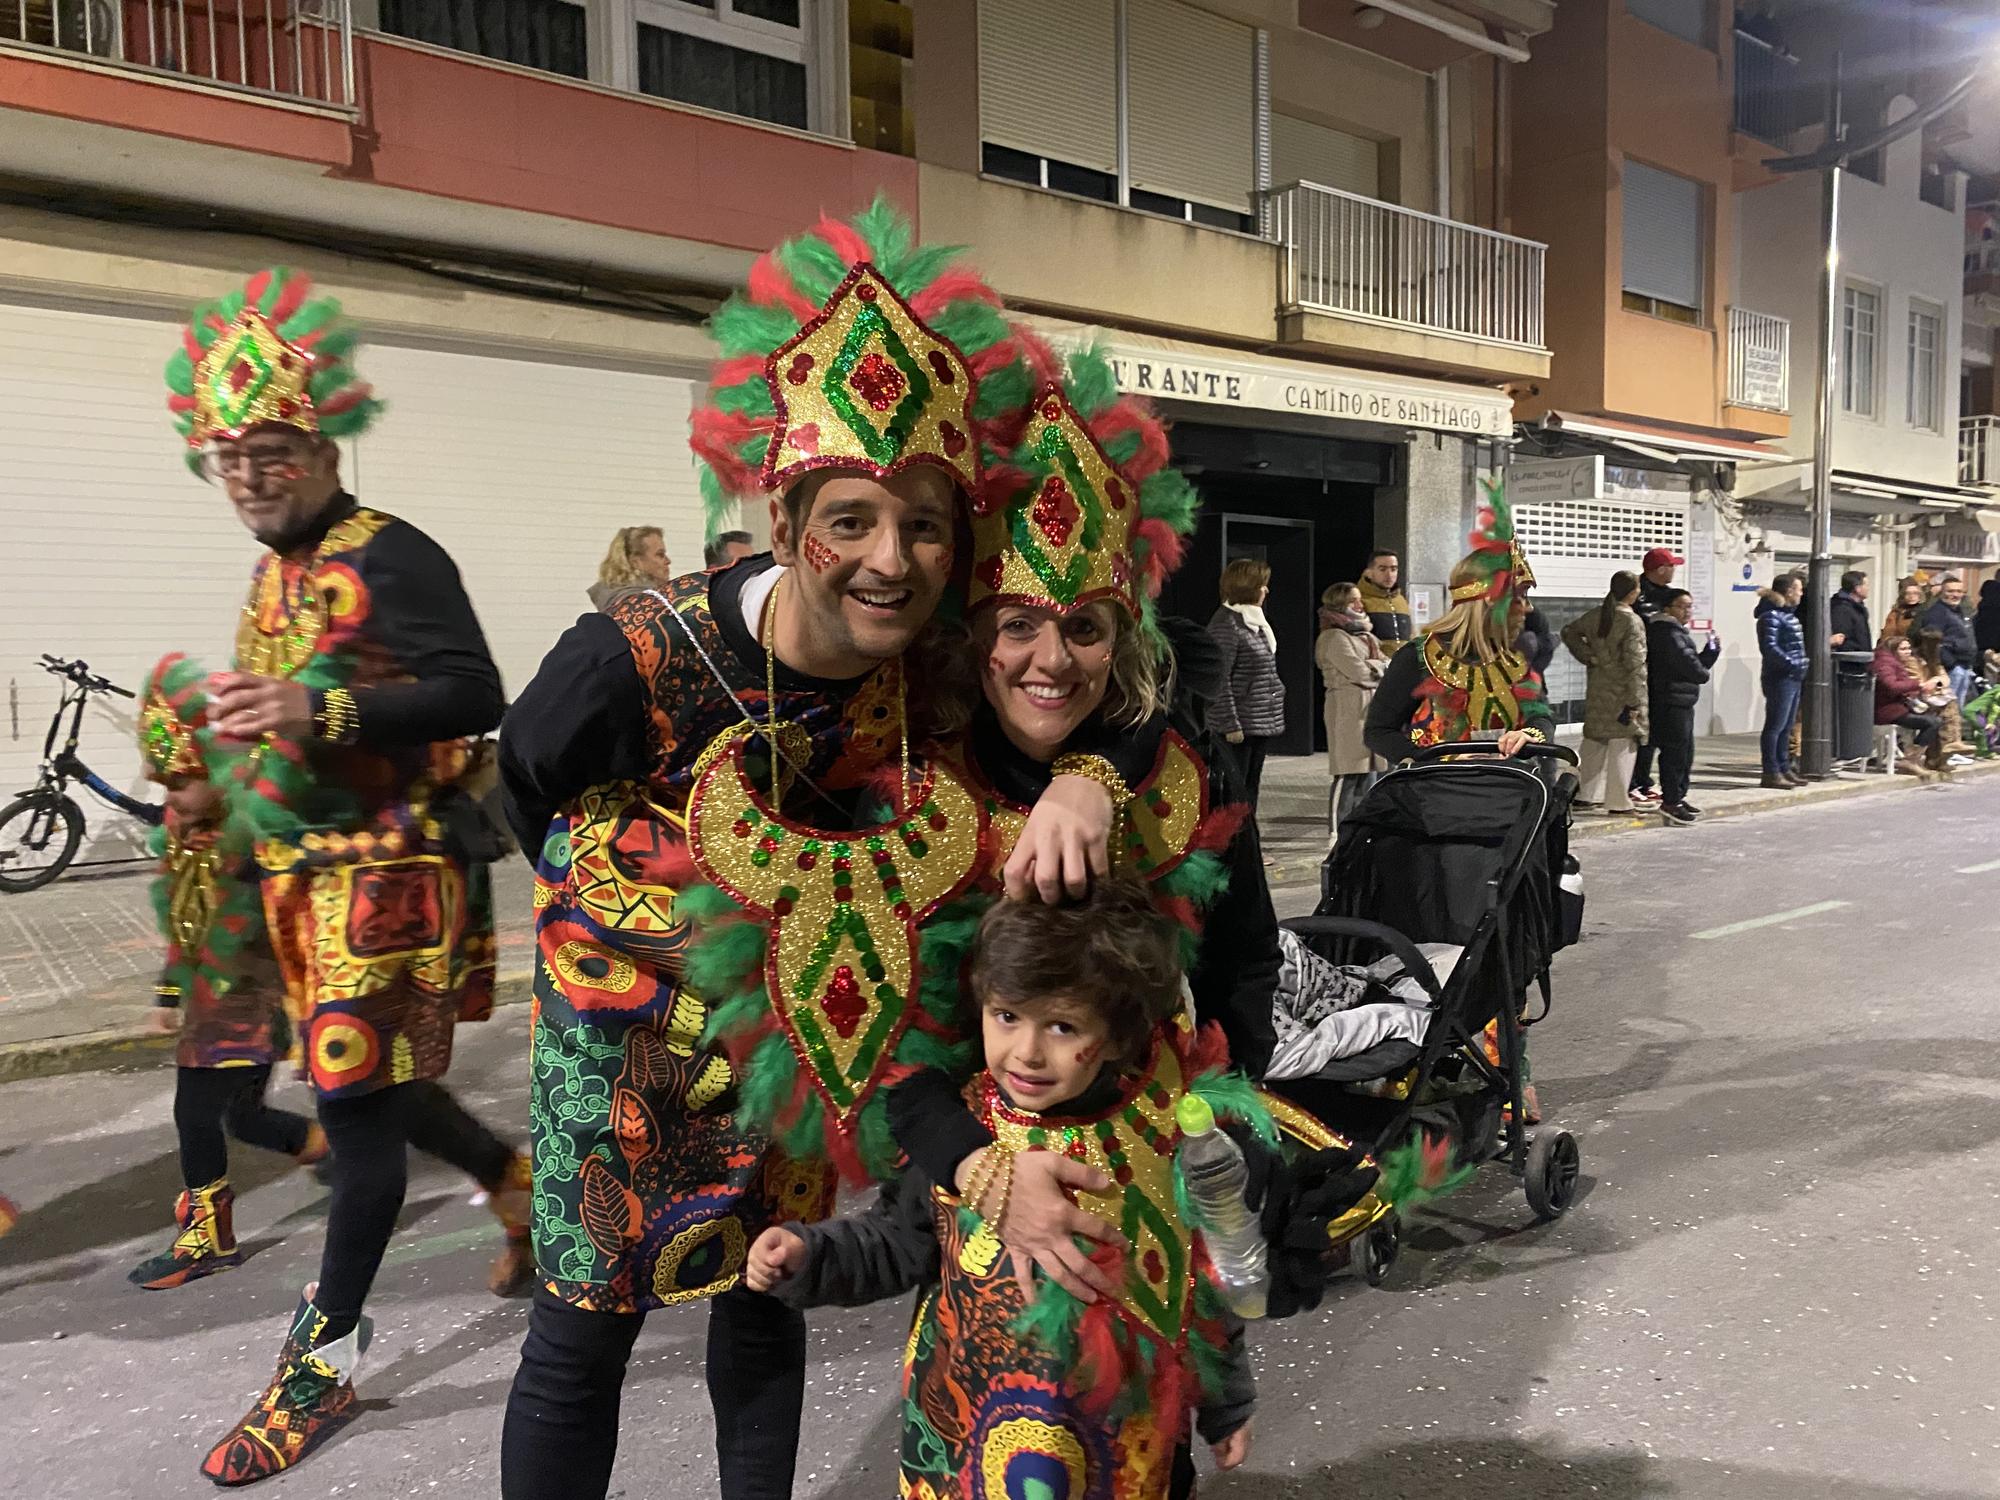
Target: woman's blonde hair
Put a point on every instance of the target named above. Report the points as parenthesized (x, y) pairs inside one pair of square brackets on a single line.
[(1336, 595), (618, 570), (1468, 629), (1243, 581)]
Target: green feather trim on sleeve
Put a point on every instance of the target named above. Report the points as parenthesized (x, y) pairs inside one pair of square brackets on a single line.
[(1049, 1322)]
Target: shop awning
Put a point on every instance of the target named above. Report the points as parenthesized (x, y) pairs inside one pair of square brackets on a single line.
[(1930, 496), (1660, 443)]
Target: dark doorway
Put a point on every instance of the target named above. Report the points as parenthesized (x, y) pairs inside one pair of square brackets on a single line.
[(1285, 546)]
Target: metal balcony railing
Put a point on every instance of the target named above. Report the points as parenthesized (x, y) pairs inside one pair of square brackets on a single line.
[(1760, 360), (1766, 90), (292, 49), (1979, 451), (1357, 258)]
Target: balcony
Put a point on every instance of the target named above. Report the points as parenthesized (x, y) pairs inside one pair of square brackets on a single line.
[(1766, 84), (1979, 451), (299, 50), (1760, 361), (1349, 265)]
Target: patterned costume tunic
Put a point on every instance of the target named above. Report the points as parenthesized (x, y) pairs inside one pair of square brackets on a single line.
[(647, 1188), (383, 933)]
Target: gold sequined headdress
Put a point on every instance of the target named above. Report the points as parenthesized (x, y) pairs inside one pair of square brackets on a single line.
[(268, 352), (855, 348), (1088, 508)]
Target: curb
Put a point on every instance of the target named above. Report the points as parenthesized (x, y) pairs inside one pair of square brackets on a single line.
[(136, 1047), (1592, 825)]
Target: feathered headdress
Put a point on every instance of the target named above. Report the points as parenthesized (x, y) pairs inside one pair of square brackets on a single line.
[(853, 347), (269, 352), (1495, 564), (1086, 508)]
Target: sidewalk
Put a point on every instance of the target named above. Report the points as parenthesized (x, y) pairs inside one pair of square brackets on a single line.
[(78, 960), (1292, 811)]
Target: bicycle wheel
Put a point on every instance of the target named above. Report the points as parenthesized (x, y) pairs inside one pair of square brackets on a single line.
[(39, 834)]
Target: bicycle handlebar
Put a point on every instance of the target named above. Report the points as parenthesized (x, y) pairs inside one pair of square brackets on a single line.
[(79, 673)]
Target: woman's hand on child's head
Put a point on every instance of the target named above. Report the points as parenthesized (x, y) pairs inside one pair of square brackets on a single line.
[(1065, 844), (1232, 1450), (1042, 1224), (777, 1256)]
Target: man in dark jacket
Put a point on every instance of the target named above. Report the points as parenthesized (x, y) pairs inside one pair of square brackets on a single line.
[(1781, 642), (1675, 671), (1656, 584), (1388, 611), (1848, 611), (1958, 649)]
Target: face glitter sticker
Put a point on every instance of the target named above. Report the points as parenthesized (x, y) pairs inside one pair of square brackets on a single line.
[(818, 554), (843, 908)]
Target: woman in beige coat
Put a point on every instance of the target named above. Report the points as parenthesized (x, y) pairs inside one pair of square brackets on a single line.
[(1351, 660), (1611, 643)]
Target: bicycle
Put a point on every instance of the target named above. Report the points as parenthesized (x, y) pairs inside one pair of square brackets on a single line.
[(41, 828)]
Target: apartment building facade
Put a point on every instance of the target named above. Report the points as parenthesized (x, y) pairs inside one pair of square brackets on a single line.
[(1287, 220)]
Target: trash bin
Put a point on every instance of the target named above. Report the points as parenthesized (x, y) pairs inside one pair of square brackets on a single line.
[(1853, 704)]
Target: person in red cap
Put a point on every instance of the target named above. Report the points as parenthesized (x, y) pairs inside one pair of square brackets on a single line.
[(1656, 590)]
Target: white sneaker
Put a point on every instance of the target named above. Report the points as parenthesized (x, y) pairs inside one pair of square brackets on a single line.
[(1959, 760)]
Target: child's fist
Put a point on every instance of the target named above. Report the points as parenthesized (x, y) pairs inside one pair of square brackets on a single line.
[(776, 1257), (1233, 1449)]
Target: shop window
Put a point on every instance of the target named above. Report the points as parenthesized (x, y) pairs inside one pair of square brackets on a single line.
[(738, 57), (1663, 238), (552, 35), (1686, 19), (1921, 405), (1860, 316)]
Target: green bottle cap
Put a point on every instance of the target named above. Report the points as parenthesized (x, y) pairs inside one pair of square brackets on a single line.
[(1194, 1114)]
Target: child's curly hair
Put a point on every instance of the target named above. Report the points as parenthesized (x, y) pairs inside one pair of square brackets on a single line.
[(1113, 951)]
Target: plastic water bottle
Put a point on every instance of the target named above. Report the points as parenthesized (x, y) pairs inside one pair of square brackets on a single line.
[(1216, 1182)]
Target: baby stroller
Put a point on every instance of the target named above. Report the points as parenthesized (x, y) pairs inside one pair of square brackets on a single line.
[(1470, 852)]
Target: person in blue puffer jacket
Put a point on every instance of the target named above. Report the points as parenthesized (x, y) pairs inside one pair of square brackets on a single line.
[(1781, 641)]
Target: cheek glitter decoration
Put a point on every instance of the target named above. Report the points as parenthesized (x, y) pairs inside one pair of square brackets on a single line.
[(818, 554)]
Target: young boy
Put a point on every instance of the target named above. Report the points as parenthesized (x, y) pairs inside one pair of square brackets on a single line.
[(1077, 1008)]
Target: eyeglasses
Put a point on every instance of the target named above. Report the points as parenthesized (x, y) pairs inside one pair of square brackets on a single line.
[(220, 463)]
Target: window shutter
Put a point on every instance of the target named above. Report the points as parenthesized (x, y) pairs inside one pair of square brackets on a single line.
[(1663, 222), (1686, 19), (1048, 79), (1191, 85), (1304, 152)]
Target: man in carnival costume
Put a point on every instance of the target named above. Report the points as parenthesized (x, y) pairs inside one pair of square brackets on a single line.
[(862, 377), (1466, 680), (360, 675)]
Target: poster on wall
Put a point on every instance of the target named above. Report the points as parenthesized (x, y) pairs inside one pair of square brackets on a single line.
[(1701, 562)]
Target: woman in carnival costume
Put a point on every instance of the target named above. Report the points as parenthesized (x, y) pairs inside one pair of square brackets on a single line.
[(360, 678), (756, 707), (220, 974)]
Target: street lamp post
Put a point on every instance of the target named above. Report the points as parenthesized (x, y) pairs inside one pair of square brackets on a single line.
[(1817, 737)]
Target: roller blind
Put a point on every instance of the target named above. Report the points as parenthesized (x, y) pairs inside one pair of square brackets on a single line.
[(1191, 87), (1686, 19), (1048, 79), (1304, 152), (1663, 220)]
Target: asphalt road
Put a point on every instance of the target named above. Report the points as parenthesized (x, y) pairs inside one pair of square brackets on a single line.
[(1779, 1045)]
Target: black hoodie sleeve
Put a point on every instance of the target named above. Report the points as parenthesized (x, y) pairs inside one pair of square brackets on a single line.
[(419, 614)]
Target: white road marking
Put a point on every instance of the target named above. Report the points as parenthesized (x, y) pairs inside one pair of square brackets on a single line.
[(1772, 921), (1986, 869)]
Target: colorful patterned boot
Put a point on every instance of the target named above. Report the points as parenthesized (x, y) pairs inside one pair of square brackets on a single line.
[(309, 1399), (204, 1244), (513, 1204)]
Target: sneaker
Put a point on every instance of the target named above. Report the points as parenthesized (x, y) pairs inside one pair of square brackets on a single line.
[(1687, 806), (1959, 760), (1645, 795), (1677, 812), (1586, 807)]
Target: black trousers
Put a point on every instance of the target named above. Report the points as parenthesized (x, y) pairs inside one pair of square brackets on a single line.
[(209, 1102), (561, 1434), (1642, 767), (1250, 757), (1673, 737), (370, 1134), (1923, 728)]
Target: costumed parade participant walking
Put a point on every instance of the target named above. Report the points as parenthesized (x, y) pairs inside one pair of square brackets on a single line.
[(861, 376), (360, 675), (219, 974)]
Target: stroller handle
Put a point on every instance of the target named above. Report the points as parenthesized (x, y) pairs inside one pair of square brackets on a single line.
[(1533, 750), (1413, 960)]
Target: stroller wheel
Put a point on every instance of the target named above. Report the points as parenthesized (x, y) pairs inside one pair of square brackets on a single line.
[(1550, 1178), (1372, 1253)]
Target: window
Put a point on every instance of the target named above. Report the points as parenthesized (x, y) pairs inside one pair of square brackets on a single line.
[(1860, 310), (1921, 407), (1686, 19), (1663, 233), (1303, 151), (546, 34), (738, 57), (1191, 87)]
